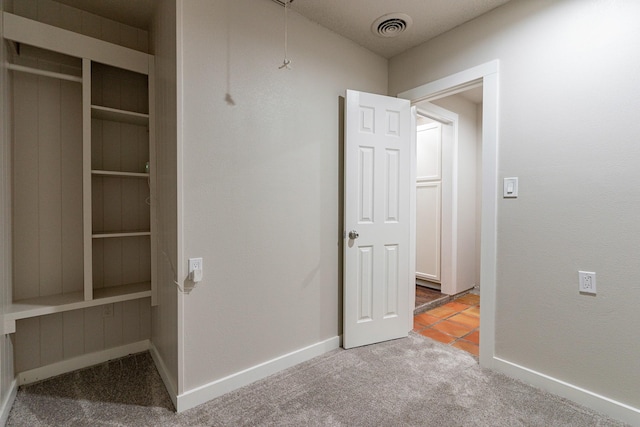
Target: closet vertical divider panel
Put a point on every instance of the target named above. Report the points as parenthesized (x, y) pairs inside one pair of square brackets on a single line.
[(152, 181), (71, 181), (86, 179), (49, 186)]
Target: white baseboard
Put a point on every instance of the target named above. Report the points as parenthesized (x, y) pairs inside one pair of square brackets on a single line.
[(80, 362), (7, 402), (169, 384), (219, 387), (594, 401)]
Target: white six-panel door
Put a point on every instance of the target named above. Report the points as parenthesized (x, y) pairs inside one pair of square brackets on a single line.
[(377, 253)]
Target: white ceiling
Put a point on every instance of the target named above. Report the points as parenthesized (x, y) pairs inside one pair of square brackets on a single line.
[(353, 18), (349, 18)]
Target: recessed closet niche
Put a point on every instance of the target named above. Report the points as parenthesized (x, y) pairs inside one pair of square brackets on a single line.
[(83, 173), (120, 202)]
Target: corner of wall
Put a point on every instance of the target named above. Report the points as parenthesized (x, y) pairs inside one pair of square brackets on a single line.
[(232, 382), (164, 333), (7, 402), (164, 374), (594, 401), (8, 382)]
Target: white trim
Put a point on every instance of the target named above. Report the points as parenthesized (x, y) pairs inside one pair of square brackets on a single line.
[(87, 200), (80, 362), (224, 385), (488, 74), (179, 193), (169, 384), (594, 401), (446, 86), (34, 33), (7, 403), (412, 214), (489, 218), (151, 88)]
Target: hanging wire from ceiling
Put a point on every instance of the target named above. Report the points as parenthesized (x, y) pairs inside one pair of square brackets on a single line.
[(227, 97), (286, 62)]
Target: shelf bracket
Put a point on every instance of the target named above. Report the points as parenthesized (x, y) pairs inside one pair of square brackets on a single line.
[(15, 47)]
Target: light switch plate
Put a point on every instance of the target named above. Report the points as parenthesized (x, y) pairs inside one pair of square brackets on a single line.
[(510, 188)]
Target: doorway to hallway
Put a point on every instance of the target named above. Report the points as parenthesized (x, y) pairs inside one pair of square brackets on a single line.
[(448, 191), (488, 75), (455, 323), (448, 310)]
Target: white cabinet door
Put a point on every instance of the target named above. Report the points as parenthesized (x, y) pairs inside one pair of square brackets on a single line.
[(429, 202), (428, 230), (429, 153), (377, 251)]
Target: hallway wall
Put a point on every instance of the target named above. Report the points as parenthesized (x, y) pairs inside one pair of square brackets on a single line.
[(469, 149), (568, 102)]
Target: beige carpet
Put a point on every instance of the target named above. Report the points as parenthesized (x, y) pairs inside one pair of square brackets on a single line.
[(409, 382)]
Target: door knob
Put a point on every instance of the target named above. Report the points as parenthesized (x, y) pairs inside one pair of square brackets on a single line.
[(353, 234)]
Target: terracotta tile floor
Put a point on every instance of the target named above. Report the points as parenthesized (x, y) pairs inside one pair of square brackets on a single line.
[(456, 323)]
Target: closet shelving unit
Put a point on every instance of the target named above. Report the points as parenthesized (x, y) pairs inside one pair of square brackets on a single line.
[(117, 210)]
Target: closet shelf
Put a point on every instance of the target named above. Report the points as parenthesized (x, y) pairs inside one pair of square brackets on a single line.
[(110, 235), (119, 174), (51, 304), (115, 115)]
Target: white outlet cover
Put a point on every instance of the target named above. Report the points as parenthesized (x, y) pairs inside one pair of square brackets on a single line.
[(587, 282), (195, 269), (195, 264)]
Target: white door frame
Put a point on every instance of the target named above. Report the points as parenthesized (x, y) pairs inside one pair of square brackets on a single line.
[(487, 74)]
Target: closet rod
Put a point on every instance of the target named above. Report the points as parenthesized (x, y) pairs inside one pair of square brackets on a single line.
[(45, 73)]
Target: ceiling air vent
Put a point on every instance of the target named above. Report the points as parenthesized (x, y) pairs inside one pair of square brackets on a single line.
[(391, 24)]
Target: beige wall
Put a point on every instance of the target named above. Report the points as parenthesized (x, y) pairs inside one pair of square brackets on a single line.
[(261, 181), (568, 129), (164, 333)]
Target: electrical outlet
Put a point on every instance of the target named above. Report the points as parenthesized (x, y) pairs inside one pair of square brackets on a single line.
[(587, 281), (195, 269), (107, 310)]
